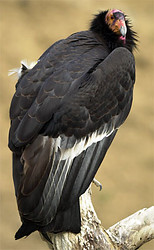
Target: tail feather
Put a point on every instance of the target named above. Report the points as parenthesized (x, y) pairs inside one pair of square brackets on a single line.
[(66, 221), (26, 229)]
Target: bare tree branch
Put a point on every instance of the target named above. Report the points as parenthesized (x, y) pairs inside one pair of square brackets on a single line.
[(128, 234), (135, 230)]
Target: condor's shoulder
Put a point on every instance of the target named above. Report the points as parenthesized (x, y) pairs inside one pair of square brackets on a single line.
[(99, 100)]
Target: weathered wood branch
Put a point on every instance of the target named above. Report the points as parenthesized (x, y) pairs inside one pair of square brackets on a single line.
[(135, 230), (128, 234)]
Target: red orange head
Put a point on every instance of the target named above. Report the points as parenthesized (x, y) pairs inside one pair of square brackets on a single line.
[(116, 22)]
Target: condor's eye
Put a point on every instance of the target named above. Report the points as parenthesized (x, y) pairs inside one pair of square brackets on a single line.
[(112, 17)]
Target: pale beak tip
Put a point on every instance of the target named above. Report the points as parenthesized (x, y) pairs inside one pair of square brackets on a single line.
[(123, 30)]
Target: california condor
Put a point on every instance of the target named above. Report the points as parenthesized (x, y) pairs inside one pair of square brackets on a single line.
[(64, 115)]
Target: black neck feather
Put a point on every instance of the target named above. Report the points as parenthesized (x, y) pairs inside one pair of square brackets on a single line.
[(99, 27)]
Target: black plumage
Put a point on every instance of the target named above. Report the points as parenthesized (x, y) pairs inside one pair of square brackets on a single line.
[(64, 115)]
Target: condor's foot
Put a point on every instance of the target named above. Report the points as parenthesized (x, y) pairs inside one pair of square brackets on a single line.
[(98, 184)]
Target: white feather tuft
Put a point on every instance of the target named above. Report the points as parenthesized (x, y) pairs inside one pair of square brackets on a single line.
[(17, 72), (28, 65)]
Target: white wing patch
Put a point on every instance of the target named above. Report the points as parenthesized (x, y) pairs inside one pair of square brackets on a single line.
[(66, 156), (81, 146)]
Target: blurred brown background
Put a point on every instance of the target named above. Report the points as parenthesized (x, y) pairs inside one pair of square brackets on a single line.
[(28, 28)]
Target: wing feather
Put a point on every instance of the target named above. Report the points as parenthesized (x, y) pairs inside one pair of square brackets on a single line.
[(42, 185)]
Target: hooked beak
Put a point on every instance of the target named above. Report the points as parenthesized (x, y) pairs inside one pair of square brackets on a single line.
[(122, 27), (123, 30)]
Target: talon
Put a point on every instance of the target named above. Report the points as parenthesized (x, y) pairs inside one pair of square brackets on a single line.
[(98, 184)]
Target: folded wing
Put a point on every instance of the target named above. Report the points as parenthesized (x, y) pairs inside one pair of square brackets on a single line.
[(67, 132)]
